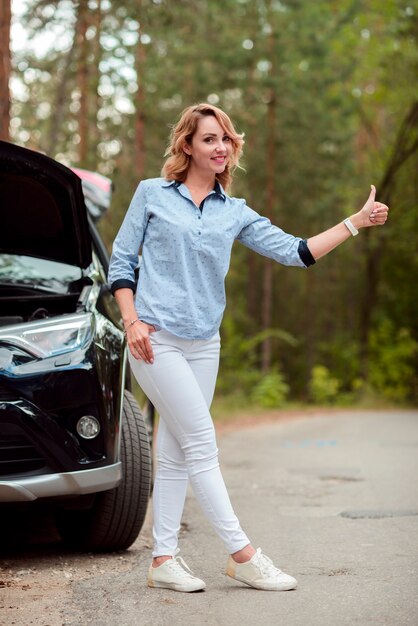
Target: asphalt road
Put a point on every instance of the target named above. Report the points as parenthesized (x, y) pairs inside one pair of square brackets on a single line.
[(332, 498)]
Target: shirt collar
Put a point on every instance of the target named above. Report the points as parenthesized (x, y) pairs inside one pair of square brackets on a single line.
[(218, 189)]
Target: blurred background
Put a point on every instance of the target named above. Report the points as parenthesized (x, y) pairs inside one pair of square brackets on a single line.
[(326, 94)]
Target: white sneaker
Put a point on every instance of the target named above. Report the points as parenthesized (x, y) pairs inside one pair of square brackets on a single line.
[(174, 574), (260, 573)]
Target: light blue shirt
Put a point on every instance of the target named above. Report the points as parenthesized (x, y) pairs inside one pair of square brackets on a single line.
[(186, 252)]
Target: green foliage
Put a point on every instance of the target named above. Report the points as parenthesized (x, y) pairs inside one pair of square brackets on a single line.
[(271, 392), (342, 76), (342, 355), (239, 371), (323, 386), (392, 371)]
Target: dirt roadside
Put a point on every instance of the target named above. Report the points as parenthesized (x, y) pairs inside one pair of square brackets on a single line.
[(37, 573)]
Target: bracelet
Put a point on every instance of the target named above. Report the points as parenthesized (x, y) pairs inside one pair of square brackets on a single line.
[(353, 230), (131, 324)]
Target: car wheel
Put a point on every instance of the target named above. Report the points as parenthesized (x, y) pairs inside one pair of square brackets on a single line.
[(114, 520), (148, 412)]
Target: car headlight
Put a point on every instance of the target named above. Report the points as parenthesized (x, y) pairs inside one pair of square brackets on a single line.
[(45, 338)]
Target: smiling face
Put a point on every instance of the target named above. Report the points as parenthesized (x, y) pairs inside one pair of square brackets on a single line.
[(210, 148)]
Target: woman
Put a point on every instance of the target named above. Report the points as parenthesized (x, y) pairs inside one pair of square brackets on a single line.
[(186, 224)]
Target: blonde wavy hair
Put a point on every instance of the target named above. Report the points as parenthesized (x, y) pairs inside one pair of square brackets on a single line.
[(178, 162)]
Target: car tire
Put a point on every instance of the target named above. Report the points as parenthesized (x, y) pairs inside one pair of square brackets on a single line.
[(114, 520)]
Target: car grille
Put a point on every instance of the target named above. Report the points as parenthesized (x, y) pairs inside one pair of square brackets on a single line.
[(17, 455)]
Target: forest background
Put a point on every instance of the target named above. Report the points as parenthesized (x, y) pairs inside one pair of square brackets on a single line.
[(326, 94)]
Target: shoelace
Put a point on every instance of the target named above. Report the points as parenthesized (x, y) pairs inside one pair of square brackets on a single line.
[(179, 567), (265, 564)]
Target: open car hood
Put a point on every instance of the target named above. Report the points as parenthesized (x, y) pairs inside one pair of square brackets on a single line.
[(42, 209)]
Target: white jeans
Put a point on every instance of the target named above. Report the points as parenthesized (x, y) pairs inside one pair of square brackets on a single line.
[(180, 383)]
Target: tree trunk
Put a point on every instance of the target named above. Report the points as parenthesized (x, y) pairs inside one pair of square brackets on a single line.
[(61, 100), (94, 88), (139, 149), (5, 66), (310, 315), (369, 301), (253, 264), (267, 294), (83, 83), (251, 98), (271, 195), (252, 289)]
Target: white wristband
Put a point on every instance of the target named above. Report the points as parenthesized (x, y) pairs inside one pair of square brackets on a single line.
[(353, 230)]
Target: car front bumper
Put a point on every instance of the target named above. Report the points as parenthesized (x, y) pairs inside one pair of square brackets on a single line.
[(76, 483)]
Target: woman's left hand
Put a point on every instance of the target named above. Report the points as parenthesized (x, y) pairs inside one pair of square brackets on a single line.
[(373, 213)]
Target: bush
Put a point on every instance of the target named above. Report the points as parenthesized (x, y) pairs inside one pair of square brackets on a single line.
[(391, 370), (271, 392), (323, 387)]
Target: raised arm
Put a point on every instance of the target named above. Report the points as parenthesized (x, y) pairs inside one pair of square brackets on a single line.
[(372, 214)]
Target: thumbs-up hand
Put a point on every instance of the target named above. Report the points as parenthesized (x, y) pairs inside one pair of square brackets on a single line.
[(373, 213)]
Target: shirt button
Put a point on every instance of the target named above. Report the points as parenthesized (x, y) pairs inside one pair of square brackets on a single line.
[(199, 217), (198, 232)]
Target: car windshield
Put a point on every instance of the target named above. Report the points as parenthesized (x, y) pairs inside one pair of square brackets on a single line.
[(39, 273)]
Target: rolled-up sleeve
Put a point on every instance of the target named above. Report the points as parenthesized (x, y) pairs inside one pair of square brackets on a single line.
[(128, 241), (260, 235)]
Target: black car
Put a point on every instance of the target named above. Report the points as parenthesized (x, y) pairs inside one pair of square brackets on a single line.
[(71, 432)]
